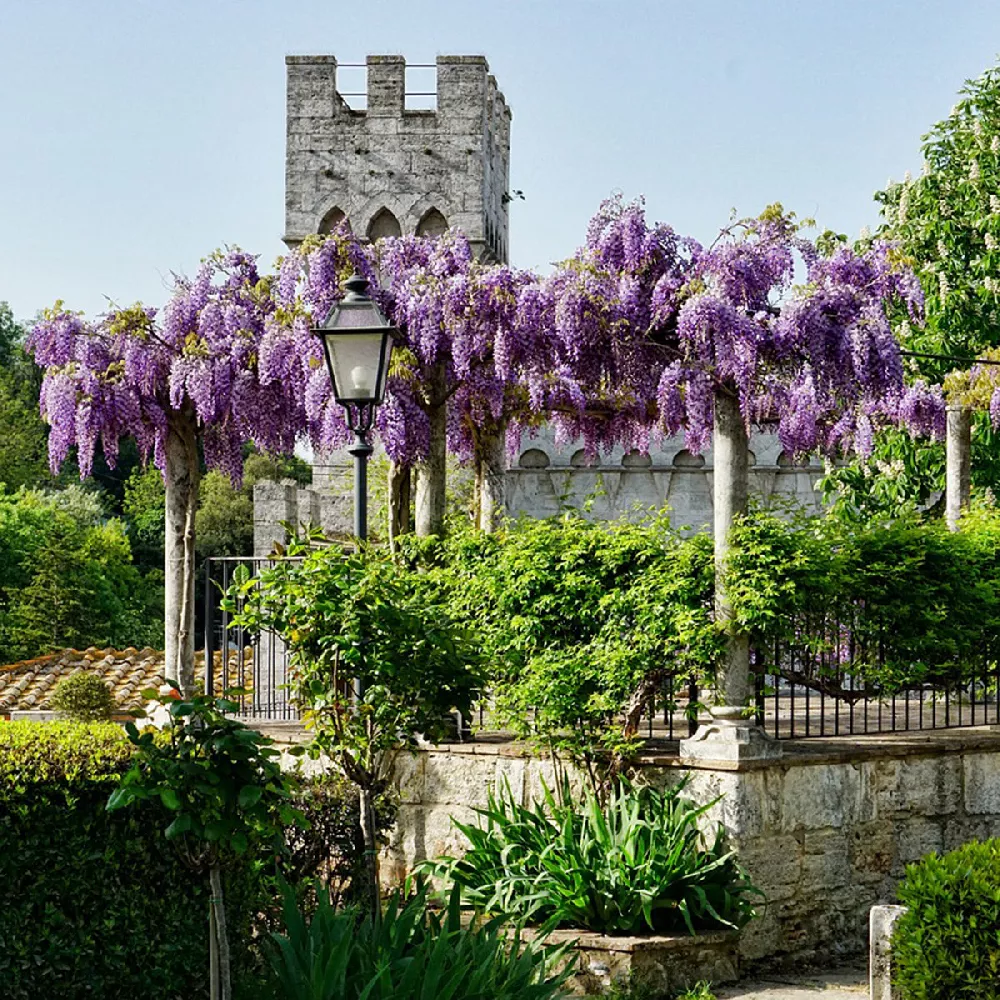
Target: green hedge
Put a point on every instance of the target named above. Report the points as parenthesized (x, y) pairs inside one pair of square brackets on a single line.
[(947, 946), (96, 904)]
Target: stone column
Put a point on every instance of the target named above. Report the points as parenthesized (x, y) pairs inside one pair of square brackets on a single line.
[(431, 474), (730, 735), (491, 480), (958, 464), (181, 479), (881, 923)]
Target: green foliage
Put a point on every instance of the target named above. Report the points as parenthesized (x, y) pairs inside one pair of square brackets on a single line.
[(329, 843), (947, 946), (219, 780), (23, 458), (67, 578), (634, 864), (91, 905), (946, 225), (83, 697), (408, 952), (346, 616), (579, 620), (700, 991), (915, 602)]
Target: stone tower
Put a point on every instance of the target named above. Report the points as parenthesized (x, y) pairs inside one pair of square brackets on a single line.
[(390, 170)]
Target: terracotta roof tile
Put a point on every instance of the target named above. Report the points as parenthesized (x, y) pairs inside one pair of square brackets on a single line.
[(28, 685)]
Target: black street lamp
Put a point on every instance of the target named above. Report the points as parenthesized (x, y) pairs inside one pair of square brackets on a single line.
[(358, 341)]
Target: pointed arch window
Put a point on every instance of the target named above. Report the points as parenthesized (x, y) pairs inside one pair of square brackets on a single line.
[(331, 220), (383, 224), (433, 223)]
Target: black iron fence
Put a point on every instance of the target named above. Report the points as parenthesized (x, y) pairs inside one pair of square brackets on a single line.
[(255, 664), (833, 684), (827, 683)]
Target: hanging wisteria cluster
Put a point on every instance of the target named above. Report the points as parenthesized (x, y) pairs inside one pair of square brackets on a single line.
[(129, 371), (629, 339)]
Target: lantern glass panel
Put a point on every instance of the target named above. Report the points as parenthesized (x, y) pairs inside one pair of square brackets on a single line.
[(358, 362), (355, 315)]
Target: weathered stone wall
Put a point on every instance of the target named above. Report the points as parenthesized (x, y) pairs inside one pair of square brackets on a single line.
[(825, 836), (363, 164), (548, 478)]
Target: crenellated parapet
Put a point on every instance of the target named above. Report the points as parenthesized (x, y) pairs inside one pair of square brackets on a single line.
[(387, 169)]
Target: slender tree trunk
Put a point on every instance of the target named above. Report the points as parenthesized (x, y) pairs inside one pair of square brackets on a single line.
[(400, 481), (731, 487), (431, 475), (491, 480), (219, 910), (181, 481), (213, 952), (958, 464), (367, 818)]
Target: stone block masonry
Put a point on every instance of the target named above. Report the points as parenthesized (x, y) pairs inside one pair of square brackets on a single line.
[(826, 832), (389, 170)]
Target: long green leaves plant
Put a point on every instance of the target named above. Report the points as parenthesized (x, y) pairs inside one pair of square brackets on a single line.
[(636, 863), (409, 952)]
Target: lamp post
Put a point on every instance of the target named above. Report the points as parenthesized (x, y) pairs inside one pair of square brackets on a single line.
[(357, 342)]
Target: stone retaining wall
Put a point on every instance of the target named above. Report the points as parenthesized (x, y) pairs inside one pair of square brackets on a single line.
[(826, 831)]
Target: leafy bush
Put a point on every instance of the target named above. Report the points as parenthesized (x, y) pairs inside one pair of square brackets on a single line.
[(947, 946), (581, 621), (329, 845), (83, 697), (67, 578), (376, 661), (637, 863), (92, 904), (408, 951), (907, 602)]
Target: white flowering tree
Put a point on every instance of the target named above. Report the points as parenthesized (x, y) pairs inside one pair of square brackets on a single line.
[(946, 223)]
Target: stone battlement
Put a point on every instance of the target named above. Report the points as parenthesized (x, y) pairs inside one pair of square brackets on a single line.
[(388, 170)]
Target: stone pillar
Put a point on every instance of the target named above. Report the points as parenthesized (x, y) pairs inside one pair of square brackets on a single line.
[(181, 478), (273, 503), (881, 922), (730, 735), (491, 480), (431, 475), (958, 464)]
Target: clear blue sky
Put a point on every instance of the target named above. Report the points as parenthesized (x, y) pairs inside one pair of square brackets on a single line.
[(139, 135)]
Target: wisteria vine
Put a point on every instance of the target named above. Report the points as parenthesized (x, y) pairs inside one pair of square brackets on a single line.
[(628, 340)]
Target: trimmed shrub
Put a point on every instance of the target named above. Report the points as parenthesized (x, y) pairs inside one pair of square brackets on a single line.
[(947, 946), (92, 903), (83, 697)]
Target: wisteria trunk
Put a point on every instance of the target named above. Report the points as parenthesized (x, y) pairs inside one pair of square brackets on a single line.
[(731, 487), (430, 474), (490, 481), (958, 464), (400, 480), (181, 481)]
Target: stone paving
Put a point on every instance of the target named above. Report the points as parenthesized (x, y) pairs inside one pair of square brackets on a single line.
[(849, 983)]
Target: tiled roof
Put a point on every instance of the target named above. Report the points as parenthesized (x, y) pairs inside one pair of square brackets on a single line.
[(28, 685)]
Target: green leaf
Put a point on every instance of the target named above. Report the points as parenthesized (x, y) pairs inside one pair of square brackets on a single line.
[(250, 795), (170, 799)]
